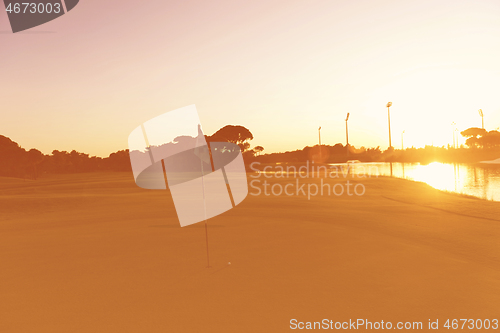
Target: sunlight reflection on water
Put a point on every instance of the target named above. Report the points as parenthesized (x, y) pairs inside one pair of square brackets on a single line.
[(476, 180)]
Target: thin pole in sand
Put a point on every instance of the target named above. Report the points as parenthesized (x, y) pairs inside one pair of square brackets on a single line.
[(201, 143), (205, 208)]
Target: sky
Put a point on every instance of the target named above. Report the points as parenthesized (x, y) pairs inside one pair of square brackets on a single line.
[(86, 80)]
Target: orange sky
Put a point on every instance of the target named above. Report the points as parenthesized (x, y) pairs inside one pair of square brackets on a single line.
[(280, 68)]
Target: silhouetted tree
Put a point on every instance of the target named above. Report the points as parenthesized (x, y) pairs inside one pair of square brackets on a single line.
[(479, 137), (472, 134), (35, 157), (234, 134), (490, 139), (258, 150), (119, 161), (13, 158)]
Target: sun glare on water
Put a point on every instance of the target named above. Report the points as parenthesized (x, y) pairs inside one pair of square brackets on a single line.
[(438, 175)]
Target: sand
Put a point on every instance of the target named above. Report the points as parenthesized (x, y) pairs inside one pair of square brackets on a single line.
[(95, 253)]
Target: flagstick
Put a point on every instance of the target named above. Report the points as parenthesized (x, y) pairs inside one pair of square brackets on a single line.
[(205, 207)]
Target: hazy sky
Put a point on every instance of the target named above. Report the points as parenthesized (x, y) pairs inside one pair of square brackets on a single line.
[(280, 68)]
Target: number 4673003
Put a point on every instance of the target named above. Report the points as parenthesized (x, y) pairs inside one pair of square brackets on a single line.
[(471, 324), (33, 8)]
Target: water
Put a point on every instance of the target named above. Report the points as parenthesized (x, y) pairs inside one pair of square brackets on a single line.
[(471, 179)]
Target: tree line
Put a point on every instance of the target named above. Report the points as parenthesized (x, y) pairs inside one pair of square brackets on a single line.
[(481, 145), (16, 161)]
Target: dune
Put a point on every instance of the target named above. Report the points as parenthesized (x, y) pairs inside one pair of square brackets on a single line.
[(95, 253)]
